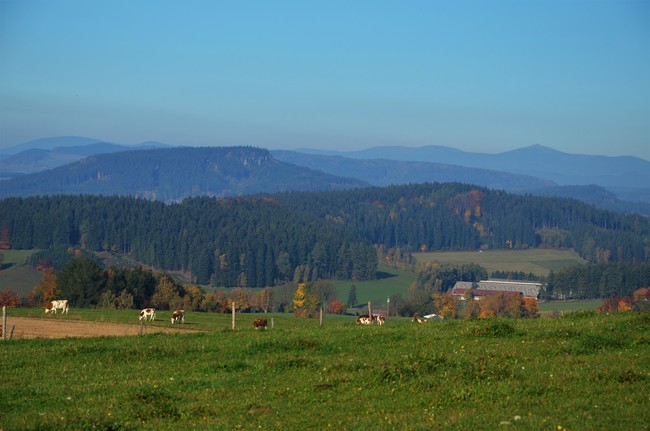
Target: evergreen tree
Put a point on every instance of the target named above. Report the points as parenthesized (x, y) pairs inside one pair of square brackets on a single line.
[(352, 297)]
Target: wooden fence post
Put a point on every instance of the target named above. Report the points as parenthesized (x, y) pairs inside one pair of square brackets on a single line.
[(321, 315), (233, 315), (4, 323), (272, 323), (370, 312)]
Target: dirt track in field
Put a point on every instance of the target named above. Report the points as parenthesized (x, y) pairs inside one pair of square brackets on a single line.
[(27, 327)]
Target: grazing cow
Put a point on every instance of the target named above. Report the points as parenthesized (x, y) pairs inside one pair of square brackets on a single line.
[(260, 323), (178, 316), (417, 319), (61, 304), (364, 319), (148, 313)]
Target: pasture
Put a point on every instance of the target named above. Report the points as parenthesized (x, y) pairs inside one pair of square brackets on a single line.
[(16, 274), (389, 282), (580, 371), (537, 261)]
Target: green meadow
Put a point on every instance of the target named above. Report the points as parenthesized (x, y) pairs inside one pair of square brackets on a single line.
[(580, 371), (537, 261)]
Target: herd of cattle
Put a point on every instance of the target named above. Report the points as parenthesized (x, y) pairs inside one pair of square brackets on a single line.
[(178, 316)]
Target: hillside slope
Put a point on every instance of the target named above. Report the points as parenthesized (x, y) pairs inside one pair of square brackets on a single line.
[(175, 173)]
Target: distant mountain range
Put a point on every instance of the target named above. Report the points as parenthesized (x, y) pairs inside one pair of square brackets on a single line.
[(47, 153), (174, 173), (85, 165), (535, 160), (383, 171)]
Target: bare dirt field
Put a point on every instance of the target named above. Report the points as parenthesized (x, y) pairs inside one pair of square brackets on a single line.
[(27, 327)]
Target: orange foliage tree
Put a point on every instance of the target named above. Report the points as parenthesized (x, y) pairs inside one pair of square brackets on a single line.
[(336, 307), (218, 301), (9, 298), (443, 304), (531, 309), (45, 290), (503, 304)]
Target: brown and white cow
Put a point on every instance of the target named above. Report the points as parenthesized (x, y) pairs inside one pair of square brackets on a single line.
[(418, 319), (178, 316), (61, 304), (260, 323), (365, 319), (148, 314)]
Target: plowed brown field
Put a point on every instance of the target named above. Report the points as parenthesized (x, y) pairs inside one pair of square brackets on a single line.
[(27, 327)]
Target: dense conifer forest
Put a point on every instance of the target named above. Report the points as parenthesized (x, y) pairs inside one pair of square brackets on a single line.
[(304, 236)]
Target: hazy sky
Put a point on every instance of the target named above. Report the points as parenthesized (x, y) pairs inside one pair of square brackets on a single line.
[(482, 75)]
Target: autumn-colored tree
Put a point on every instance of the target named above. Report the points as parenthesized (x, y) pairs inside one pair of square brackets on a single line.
[(5, 241), (531, 308), (642, 294), (305, 304), (610, 305), (107, 300), (298, 304), (124, 301), (472, 309), (486, 314), (193, 297), (504, 304), (336, 307), (642, 299), (217, 302), (45, 290), (443, 304), (43, 265), (166, 296), (265, 299), (625, 304), (242, 298), (9, 298)]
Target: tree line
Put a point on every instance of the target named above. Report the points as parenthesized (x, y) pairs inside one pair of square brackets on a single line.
[(306, 236), (86, 284)]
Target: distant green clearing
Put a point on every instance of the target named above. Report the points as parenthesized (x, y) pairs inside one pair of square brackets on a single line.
[(390, 282), (16, 274), (547, 308), (537, 261)]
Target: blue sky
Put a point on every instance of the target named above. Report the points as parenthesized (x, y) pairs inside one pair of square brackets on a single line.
[(485, 76)]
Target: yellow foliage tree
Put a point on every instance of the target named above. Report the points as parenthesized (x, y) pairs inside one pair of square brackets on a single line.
[(299, 299), (443, 303)]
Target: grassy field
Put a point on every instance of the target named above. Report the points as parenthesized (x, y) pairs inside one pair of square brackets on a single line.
[(16, 274), (551, 308), (389, 282), (536, 261), (581, 371)]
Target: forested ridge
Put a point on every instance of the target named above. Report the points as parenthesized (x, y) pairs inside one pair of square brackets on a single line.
[(172, 174), (303, 236)]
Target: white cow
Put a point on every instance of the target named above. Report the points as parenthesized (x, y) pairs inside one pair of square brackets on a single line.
[(61, 304), (178, 316), (148, 314)]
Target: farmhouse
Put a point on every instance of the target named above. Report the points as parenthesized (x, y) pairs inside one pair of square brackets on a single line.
[(487, 288)]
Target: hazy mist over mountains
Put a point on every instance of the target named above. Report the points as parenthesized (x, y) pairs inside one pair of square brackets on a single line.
[(616, 183)]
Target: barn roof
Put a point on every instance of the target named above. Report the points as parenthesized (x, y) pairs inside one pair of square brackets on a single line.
[(526, 288)]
